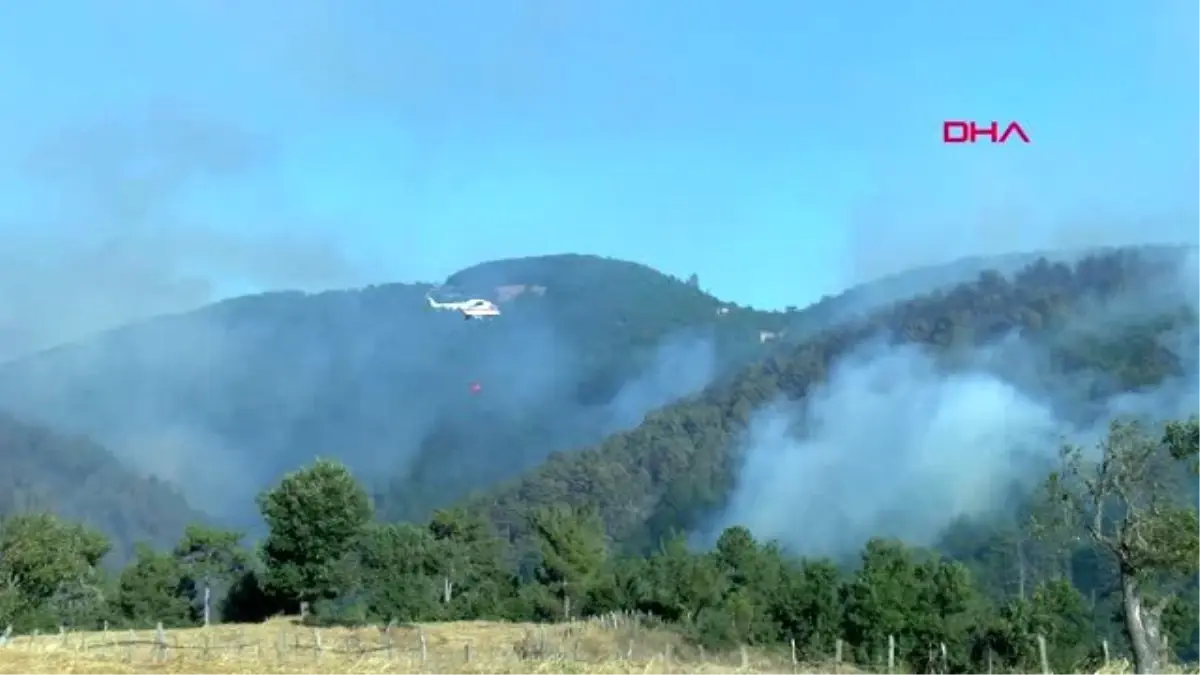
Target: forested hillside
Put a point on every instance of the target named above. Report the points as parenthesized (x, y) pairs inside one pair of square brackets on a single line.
[(74, 477), (1073, 338), (862, 299), (900, 474), (223, 400), (324, 554)]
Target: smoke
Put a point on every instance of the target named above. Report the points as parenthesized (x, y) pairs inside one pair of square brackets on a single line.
[(156, 169), (899, 444), (163, 166), (222, 401), (895, 443), (107, 235), (892, 447), (117, 224), (683, 364)]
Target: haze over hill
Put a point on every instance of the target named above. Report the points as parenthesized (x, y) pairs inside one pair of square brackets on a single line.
[(900, 421), (634, 408), (201, 155), (82, 481), (224, 400), (183, 185)]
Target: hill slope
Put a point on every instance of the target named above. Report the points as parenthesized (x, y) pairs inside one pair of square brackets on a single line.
[(82, 481), (223, 400), (896, 423)]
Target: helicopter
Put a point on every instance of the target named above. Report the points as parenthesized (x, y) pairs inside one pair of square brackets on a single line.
[(475, 308)]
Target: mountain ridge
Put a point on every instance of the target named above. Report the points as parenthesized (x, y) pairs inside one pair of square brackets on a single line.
[(224, 399), (676, 469), (871, 484)]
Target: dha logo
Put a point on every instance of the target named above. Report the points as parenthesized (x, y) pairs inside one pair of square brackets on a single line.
[(960, 131)]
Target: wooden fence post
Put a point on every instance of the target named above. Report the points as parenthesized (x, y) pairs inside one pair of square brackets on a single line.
[(1041, 643), (891, 653), (160, 643)]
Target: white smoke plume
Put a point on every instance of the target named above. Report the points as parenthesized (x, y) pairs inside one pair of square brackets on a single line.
[(899, 444), (891, 447)]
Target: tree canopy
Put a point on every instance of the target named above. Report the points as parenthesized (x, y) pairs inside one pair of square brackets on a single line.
[(1103, 552)]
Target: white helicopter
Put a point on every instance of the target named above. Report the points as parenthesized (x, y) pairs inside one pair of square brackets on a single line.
[(475, 308)]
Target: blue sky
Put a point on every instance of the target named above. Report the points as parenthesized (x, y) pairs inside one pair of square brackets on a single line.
[(780, 149)]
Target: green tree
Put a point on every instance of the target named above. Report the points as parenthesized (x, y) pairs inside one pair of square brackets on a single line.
[(1006, 638), (681, 584), (314, 516), (1128, 502), (808, 608), (945, 611), (471, 562), (879, 596), (151, 589), (623, 584), (49, 572), (394, 575), (572, 552), (211, 560), (756, 574), (922, 601)]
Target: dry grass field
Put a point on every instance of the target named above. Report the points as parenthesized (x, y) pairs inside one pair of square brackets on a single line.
[(283, 646)]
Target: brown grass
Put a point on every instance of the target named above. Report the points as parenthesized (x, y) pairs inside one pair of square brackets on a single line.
[(283, 646)]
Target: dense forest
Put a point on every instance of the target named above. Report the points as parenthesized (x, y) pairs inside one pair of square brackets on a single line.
[(223, 400), (220, 401), (1080, 336), (80, 480), (1006, 457), (324, 551)]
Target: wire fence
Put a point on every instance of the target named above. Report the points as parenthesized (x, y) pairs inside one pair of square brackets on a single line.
[(454, 647)]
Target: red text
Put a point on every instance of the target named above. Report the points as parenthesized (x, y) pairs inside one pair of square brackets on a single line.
[(959, 131)]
